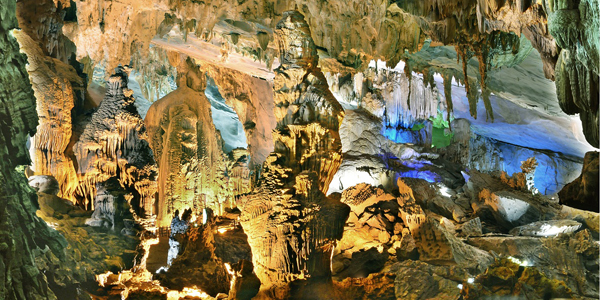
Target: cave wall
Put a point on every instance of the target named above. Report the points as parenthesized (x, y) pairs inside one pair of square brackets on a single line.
[(26, 242)]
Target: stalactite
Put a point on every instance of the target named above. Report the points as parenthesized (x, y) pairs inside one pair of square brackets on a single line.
[(114, 145), (448, 95), (283, 216)]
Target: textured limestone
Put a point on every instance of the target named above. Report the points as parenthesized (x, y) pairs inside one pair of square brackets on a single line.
[(583, 192), (114, 145), (197, 264), (57, 88), (505, 278), (547, 228), (185, 144), (427, 281), (574, 25), (291, 225), (26, 242)]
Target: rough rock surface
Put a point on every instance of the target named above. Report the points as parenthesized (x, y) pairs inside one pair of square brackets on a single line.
[(114, 145), (197, 263), (185, 144), (26, 242), (57, 88), (291, 225), (584, 192)]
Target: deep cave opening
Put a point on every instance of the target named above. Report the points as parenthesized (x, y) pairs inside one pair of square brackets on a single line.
[(225, 118)]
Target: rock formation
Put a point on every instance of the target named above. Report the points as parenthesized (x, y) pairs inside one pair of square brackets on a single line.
[(351, 160), (114, 145), (291, 225), (583, 192), (57, 88), (185, 144), (195, 173), (32, 258), (574, 25)]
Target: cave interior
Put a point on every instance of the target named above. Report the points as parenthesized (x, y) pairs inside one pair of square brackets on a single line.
[(299, 149)]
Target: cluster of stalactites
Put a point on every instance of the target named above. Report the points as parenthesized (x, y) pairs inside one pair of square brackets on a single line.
[(291, 225), (576, 27), (114, 145)]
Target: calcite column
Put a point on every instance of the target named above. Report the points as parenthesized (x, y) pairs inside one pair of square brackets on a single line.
[(185, 144), (114, 145), (292, 226), (55, 85)]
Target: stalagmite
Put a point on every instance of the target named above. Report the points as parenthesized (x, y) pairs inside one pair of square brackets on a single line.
[(185, 144), (57, 89), (291, 225), (114, 145)]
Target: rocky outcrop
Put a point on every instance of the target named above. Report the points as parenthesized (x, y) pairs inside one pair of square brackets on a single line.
[(114, 145), (249, 97), (195, 170), (583, 192), (291, 225), (435, 241), (197, 264)]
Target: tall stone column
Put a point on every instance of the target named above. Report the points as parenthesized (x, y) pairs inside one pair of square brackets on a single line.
[(292, 226)]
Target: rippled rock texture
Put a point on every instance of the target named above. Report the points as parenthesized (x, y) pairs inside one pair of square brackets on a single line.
[(115, 145), (291, 225), (26, 242)]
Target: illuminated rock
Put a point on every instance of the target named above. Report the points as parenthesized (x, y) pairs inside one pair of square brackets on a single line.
[(114, 145), (291, 225), (44, 184), (57, 88), (110, 206), (428, 281), (197, 264), (547, 228), (185, 142), (28, 245), (471, 228), (434, 241), (369, 232)]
